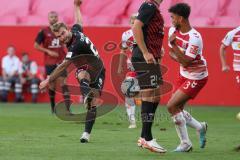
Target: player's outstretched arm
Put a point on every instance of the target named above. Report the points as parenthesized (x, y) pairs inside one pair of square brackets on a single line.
[(77, 12), (56, 73), (59, 70), (225, 67)]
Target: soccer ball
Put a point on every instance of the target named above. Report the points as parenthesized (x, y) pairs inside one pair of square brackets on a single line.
[(130, 87), (238, 116)]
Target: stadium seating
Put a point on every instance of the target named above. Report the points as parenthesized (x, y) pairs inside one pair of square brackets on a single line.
[(115, 12), (11, 11)]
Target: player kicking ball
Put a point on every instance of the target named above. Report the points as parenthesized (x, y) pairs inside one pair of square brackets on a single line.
[(90, 71), (186, 48), (127, 44)]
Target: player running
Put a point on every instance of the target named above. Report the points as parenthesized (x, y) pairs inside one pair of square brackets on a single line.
[(232, 38), (127, 44), (148, 31), (54, 54), (90, 71), (186, 48)]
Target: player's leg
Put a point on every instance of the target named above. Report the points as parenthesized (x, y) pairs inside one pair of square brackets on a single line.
[(51, 90), (84, 80), (177, 100), (150, 101), (130, 108), (34, 89), (90, 119), (96, 89), (65, 91), (201, 127)]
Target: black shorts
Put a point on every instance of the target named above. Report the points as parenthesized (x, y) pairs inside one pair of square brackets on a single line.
[(149, 75), (50, 68), (97, 82)]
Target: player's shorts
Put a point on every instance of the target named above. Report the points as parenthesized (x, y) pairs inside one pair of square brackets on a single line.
[(190, 87), (98, 82), (149, 75), (50, 68)]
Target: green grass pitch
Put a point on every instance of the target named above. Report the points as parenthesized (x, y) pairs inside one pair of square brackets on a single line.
[(30, 132)]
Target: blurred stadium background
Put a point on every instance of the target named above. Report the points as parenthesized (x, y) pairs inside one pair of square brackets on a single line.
[(104, 22)]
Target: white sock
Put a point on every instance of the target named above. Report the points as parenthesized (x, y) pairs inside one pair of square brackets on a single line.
[(191, 122), (181, 127), (130, 107)]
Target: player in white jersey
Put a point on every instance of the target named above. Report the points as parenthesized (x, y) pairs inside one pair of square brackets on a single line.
[(232, 38), (186, 48), (127, 45)]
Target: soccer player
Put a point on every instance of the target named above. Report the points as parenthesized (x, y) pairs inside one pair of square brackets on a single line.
[(54, 53), (232, 38), (90, 72), (186, 48), (127, 44), (148, 31)]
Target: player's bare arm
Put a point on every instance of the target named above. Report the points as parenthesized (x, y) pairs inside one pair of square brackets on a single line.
[(56, 73), (77, 12), (182, 59), (225, 67), (138, 35), (45, 50), (123, 54)]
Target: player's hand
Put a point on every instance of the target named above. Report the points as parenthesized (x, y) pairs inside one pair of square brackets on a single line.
[(44, 84), (77, 3), (225, 68), (149, 58), (53, 54), (172, 39)]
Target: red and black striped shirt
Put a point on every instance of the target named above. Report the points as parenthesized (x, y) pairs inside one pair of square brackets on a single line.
[(153, 29)]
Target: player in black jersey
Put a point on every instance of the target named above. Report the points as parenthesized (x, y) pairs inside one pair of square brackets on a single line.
[(90, 71)]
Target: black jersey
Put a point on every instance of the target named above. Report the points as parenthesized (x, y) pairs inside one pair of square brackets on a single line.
[(80, 44)]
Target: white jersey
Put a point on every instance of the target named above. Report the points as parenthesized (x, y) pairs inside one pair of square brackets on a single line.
[(233, 38), (192, 45), (128, 40), (127, 43)]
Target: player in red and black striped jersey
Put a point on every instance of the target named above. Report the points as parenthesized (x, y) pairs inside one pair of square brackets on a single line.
[(90, 72), (148, 31), (54, 53)]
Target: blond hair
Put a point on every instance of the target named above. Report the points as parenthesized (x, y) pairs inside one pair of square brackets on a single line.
[(56, 27)]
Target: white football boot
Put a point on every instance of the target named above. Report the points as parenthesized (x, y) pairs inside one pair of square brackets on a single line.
[(85, 137)]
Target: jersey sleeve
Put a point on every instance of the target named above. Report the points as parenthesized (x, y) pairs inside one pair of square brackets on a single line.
[(194, 47), (77, 28), (124, 41), (40, 37), (228, 39), (146, 12), (170, 32)]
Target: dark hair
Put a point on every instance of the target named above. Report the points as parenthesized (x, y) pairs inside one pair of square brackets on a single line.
[(181, 9), (24, 54)]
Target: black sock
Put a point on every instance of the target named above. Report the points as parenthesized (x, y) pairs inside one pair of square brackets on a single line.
[(52, 99), (147, 114), (66, 96), (84, 86), (90, 119)]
